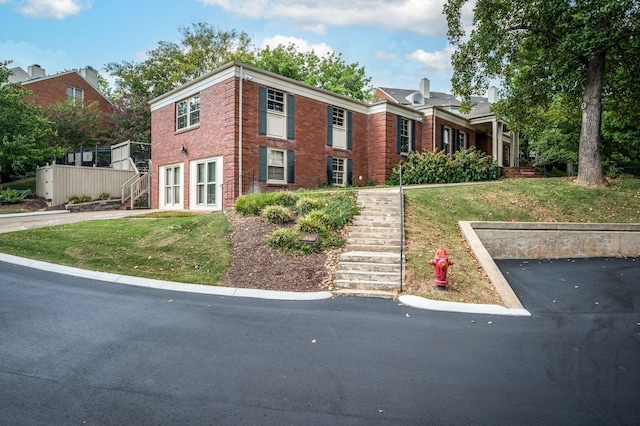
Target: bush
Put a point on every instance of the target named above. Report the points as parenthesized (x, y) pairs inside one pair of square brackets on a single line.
[(313, 223), (287, 240), (285, 198), (104, 196), (429, 167), (77, 199), (252, 204), (340, 209), (305, 204), (12, 196), (277, 214)]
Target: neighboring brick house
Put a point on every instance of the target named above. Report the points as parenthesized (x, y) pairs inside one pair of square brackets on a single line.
[(71, 86), (208, 147)]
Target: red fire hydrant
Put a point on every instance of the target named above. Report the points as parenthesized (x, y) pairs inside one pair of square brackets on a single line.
[(441, 263)]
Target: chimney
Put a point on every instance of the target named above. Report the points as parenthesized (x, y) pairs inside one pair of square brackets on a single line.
[(493, 94), (425, 88), (36, 71), (90, 75)]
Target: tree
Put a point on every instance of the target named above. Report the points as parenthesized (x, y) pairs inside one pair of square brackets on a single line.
[(540, 49), (328, 72), (130, 118), (76, 126), (24, 129)]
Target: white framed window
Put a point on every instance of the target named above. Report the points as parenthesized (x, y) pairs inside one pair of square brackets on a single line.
[(445, 142), (339, 128), (188, 112), (339, 171), (276, 165), (75, 95), (171, 188), (204, 188), (276, 118), (405, 135), (461, 143)]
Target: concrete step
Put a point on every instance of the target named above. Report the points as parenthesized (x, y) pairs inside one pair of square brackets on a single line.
[(376, 221), (373, 241), (375, 248), (367, 276), (368, 285), (369, 257), (370, 266)]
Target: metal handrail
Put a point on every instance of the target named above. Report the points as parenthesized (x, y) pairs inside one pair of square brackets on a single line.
[(401, 231), (234, 179)]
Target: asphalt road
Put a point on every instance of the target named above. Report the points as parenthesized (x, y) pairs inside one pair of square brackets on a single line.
[(80, 351)]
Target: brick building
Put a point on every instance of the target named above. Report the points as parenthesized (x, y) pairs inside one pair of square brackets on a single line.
[(241, 129), (70, 86)]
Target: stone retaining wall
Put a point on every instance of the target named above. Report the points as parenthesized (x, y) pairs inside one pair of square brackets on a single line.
[(94, 206)]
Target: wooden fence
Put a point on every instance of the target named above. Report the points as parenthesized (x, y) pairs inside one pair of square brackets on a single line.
[(57, 183)]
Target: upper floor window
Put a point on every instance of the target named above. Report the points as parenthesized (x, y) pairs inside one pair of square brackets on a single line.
[(339, 128), (338, 117), (188, 112), (275, 100), (74, 95)]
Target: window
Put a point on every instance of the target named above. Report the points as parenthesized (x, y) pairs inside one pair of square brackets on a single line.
[(338, 128), (188, 112), (404, 135), (276, 166), (338, 117), (461, 141), (74, 95), (275, 100), (445, 142), (206, 183), (338, 171), (172, 186)]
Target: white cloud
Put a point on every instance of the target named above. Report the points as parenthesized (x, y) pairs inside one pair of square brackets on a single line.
[(439, 61), (320, 49), (58, 9), (419, 16), (385, 56), (23, 54)]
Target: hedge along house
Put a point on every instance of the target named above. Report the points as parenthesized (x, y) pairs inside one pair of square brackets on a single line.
[(241, 129)]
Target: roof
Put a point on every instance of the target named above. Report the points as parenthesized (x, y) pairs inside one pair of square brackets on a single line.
[(435, 98)]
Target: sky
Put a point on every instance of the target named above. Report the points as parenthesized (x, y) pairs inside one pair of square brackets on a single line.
[(398, 42)]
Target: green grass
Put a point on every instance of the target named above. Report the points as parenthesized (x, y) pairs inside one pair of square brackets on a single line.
[(431, 217), (184, 247), (21, 185)]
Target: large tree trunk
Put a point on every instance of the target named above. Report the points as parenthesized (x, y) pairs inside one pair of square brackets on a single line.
[(589, 163)]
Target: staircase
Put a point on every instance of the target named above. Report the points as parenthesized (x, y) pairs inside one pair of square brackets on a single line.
[(521, 172), (371, 260)]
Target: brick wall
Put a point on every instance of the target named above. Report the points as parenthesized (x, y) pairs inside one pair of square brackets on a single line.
[(50, 91)]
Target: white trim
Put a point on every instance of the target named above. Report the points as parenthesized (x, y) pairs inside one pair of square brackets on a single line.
[(161, 187), (193, 182)]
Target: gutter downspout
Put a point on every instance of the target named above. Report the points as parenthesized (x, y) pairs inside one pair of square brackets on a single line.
[(240, 134), (433, 124)]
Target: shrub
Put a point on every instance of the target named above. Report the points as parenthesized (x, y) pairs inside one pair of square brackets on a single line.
[(104, 196), (285, 198), (305, 204), (340, 209), (77, 199), (468, 165), (287, 240), (313, 223), (277, 214), (252, 204), (12, 196)]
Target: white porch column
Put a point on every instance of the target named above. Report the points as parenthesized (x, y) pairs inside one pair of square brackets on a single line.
[(494, 142)]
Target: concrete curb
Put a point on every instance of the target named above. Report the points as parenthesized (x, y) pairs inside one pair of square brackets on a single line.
[(165, 285), (42, 213), (467, 308)]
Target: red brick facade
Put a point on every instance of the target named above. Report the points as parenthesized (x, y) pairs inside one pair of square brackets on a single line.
[(372, 155), (49, 91)]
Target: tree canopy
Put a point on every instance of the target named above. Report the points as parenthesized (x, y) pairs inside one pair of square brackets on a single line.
[(577, 48), (23, 141)]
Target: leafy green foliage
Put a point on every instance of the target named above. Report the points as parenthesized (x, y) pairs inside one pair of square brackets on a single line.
[(13, 196), (104, 196), (580, 50), (305, 204), (313, 224), (277, 214), (430, 167), (25, 129), (285, 198), (287, 240), (77, 199), (252, 204), (76, 126)]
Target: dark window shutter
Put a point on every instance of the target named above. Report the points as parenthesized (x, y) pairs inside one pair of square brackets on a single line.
[(413, 135), (262, 111), (329, 125), (442, 137), (398, 127), (349, 130), (349, 171), (291, 114), (291, 155), (262, 173), (454, 144), (329, 170)]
